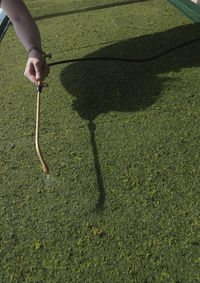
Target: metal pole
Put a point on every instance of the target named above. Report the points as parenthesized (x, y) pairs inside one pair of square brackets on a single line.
[(44, 166)]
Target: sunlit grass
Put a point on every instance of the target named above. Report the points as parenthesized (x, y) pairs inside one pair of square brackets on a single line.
[(121, 203)]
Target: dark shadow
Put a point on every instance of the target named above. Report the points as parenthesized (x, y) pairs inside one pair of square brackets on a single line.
[(89, 9), (102, 86), (92, 128)]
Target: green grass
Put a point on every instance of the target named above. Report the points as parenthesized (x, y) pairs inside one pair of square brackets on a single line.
[(122, 144)]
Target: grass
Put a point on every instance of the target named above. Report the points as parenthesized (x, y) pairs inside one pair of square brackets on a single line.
[(122, 143)]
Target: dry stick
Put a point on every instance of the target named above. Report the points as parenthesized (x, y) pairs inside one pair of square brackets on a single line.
[(44, 166)]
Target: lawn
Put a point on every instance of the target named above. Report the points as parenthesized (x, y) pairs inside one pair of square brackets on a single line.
[(121, 203)]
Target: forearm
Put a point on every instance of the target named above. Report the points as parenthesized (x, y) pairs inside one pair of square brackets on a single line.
[(25, 27), (28, 33), (196, 1)]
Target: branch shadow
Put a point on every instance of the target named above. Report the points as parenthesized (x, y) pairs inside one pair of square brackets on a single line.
[(89, 9), (100, 87)]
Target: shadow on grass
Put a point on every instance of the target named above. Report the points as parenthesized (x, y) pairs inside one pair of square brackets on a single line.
[(102, 86), (89, 9)]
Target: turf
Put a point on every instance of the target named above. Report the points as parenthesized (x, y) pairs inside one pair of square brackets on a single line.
[(121, 203)]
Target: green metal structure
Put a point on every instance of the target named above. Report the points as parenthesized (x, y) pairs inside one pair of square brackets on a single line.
[(188, 8)]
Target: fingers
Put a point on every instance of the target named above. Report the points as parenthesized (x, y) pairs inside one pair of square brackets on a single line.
[(36, 70)]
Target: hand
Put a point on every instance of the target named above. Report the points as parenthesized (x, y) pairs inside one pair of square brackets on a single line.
[(36, 69)]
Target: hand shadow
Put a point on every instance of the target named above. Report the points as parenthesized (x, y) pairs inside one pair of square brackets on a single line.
[(102, 86)]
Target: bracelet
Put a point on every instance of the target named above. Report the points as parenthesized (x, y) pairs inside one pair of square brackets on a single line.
[(44, 55)]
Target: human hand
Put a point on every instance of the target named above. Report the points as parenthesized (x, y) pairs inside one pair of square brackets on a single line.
[(36, 69)]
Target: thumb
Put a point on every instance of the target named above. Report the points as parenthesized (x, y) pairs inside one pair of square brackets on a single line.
[(37, 67)]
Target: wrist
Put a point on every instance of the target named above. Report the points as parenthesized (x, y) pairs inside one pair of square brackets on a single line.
[(35, 51), (35, 54)]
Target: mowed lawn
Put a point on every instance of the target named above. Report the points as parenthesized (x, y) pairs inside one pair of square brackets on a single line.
[(122, 141)]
